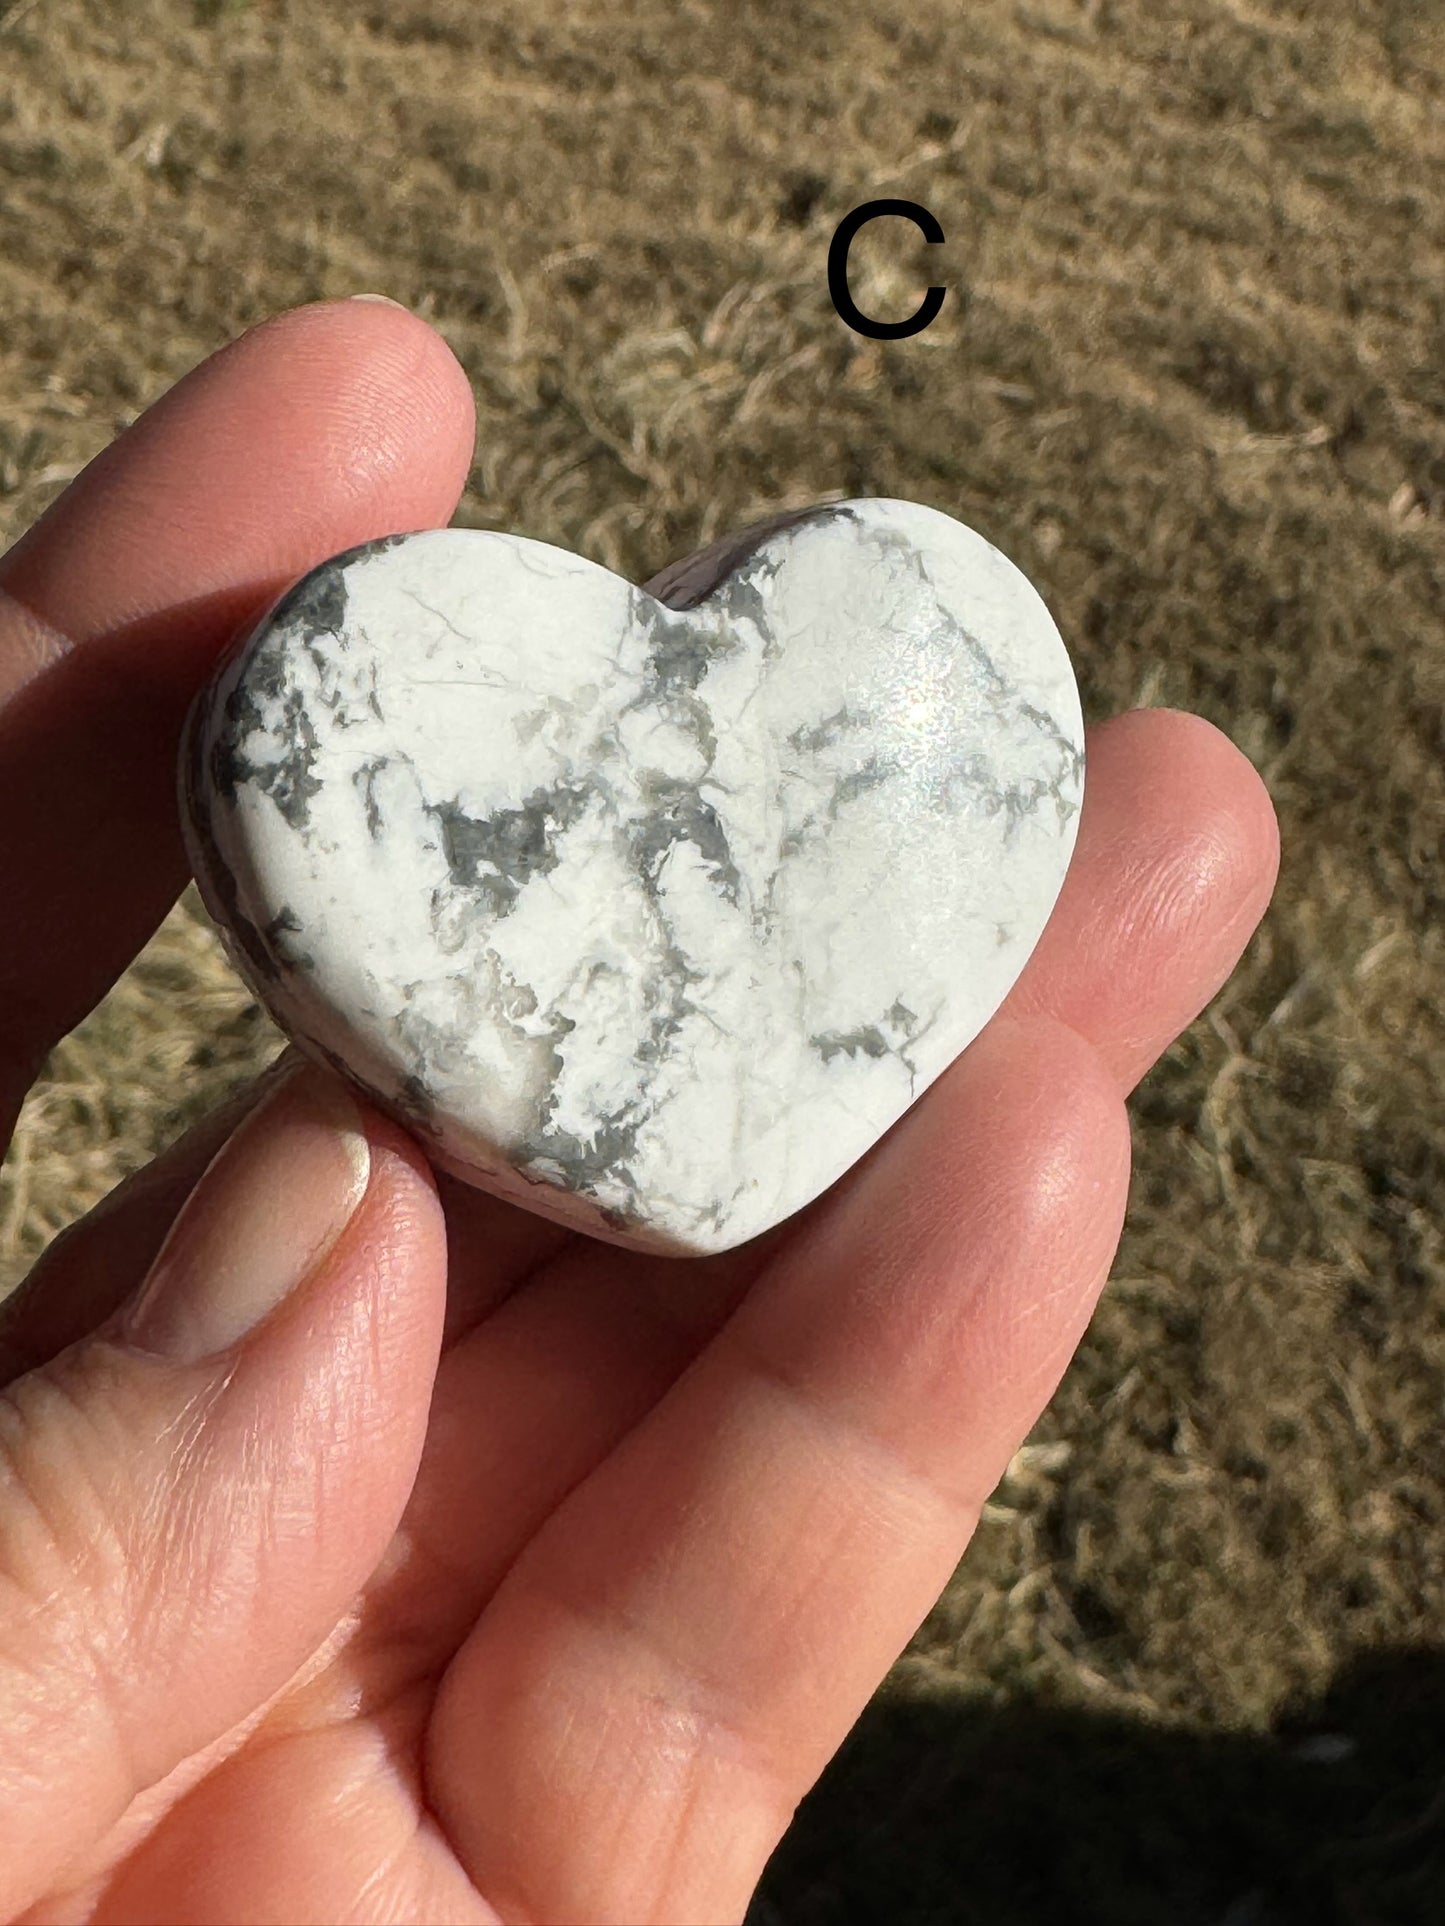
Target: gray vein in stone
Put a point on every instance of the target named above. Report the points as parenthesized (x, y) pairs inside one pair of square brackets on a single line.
[(678, 813), (467, 641), (498, 855), (365, 780), (288, 778), (808, 738), (279, 933), (874, 1040), (603, 1156)]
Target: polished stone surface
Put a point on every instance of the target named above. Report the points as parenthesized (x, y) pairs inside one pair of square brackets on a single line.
[(648, 909)]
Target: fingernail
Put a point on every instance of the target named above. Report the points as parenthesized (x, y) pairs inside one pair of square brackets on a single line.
[(268, 1208), (384, 299)]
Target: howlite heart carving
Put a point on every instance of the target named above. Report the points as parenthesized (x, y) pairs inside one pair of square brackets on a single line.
[(650, 909)]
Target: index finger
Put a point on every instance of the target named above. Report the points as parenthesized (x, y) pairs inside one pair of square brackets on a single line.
[(326, 427)]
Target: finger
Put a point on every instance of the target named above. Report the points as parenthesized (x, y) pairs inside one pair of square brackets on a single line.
[(191, 1498), (1176, 860), (323, 428), (678, 1652)]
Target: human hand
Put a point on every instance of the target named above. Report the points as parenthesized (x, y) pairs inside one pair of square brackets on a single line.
[(395, 1554)]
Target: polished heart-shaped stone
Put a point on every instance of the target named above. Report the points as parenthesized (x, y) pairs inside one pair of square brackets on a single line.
[(649, 909)]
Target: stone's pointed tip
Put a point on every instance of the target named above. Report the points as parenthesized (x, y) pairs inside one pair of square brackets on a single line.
[(685, 912)]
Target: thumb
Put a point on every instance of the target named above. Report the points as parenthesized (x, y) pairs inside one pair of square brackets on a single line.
[(190, 1497)]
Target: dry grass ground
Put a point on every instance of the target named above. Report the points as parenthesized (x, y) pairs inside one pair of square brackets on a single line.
[(1191, 377)]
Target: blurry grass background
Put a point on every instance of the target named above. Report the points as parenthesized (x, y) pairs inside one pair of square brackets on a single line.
[(1191, 376)]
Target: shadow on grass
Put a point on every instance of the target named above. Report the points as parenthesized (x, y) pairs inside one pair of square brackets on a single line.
[(950, 1809)]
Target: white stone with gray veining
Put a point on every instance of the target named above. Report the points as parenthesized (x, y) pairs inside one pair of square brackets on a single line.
[(650, 917)]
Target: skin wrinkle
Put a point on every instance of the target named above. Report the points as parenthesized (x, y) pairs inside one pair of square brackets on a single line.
[(697, 1702), (167, 1514), (383, 1873), (346, 1763), (771, 1799), (941, 1333), (148, 1809), (72, 1676), (70, 1524), (144, 1616), (1182, 887), (28, 647), (692, 1704), (844, 1432), (108, 1801), (1053, 1184)]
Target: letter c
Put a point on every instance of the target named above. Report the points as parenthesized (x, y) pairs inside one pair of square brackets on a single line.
[(848, 310)]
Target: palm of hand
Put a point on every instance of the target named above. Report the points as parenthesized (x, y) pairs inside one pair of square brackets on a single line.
[(568, 1635)]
